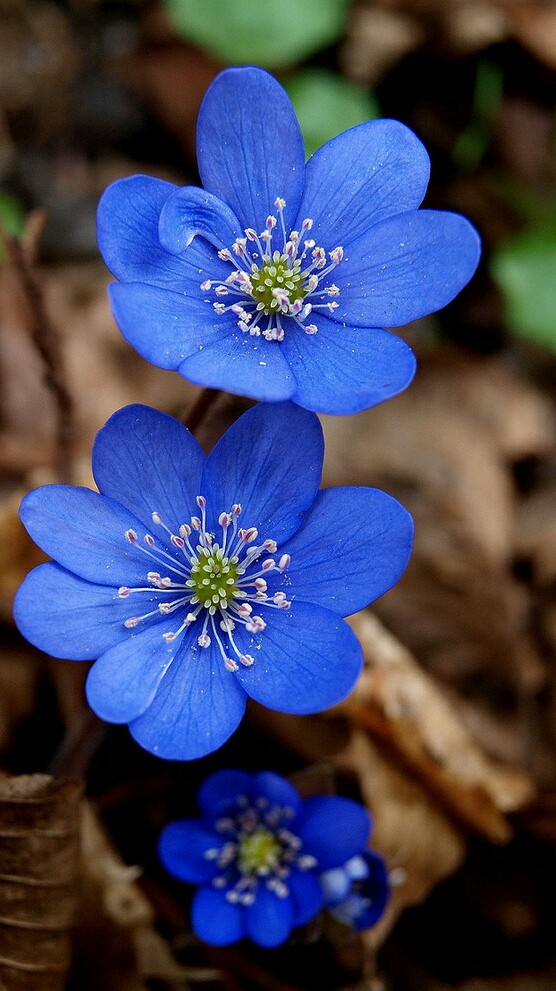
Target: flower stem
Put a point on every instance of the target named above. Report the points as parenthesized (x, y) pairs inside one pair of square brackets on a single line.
[(205, 400)]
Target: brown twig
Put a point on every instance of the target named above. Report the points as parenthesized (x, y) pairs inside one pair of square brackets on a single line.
[(44, 336)]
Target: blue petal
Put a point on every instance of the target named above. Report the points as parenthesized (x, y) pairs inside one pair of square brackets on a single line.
[(372, 171), (84, 532), (345, 369), (306, 895), (125, 679), (256, 464), (167, 327), (374, 889), (215, 920), (333, 829), (219, 793), (181, 848), (278, 791), (269, 920), (306, 659), (405, 267), (249, 146), (128, 236), (127, 230), (356, 868), (335, 884), (353, 545), (248, 366), (192, 211), (68, 617), (149, 461), (197, 707)]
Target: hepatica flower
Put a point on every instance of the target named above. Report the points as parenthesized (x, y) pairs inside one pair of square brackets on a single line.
[(196, 581), (357, 892), (278, 278), (256, 855)]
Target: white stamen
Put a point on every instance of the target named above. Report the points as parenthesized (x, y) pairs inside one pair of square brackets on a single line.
[(210, 582), (275, 283)]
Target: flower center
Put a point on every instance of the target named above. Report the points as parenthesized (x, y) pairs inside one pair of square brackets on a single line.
[(215, 585), (260, 850), (257, 848), (276, 278), (214, 578), (267, 285)]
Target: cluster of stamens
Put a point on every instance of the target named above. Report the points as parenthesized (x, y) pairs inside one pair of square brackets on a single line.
[(217, 584), (258, 848), (267, 284)]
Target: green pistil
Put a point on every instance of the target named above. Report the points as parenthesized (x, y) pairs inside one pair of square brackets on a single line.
[(259, 852), (277, 274), (214, 578)]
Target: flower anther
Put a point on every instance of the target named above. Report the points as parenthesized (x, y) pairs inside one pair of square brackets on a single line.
[(258, 849)]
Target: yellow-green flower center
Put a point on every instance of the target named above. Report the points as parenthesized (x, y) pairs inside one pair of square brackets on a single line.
[(214, 578), (258, 852), (277, 273)]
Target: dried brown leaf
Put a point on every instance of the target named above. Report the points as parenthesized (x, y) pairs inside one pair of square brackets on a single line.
[(534, 25), (535, 533), (39, 64), (420, 845), (18, 553), (400, 705), (471, 25), (444, 448), (122, 900), (538, 980), (424, 779), (376, 40), (104, 372), (117, 907), (39, 837)]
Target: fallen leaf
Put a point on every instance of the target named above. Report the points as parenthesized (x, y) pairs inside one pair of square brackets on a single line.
[(401, 706), (39, 836), (445, 449)]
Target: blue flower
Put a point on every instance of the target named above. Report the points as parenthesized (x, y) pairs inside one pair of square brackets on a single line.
[(196, 581), (357, 892), (256, 855), (277, 279)]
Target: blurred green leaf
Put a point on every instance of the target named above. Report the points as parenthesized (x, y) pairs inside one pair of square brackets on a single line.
[(259, 32), (12, 217), (525, 271), (326, 104), (473, 142)]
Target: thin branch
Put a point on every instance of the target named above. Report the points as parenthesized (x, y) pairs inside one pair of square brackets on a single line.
[(44, 336)]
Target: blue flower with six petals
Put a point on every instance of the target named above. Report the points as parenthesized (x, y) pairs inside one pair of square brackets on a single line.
[(277, 279), (186, 611), (256, 855)]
